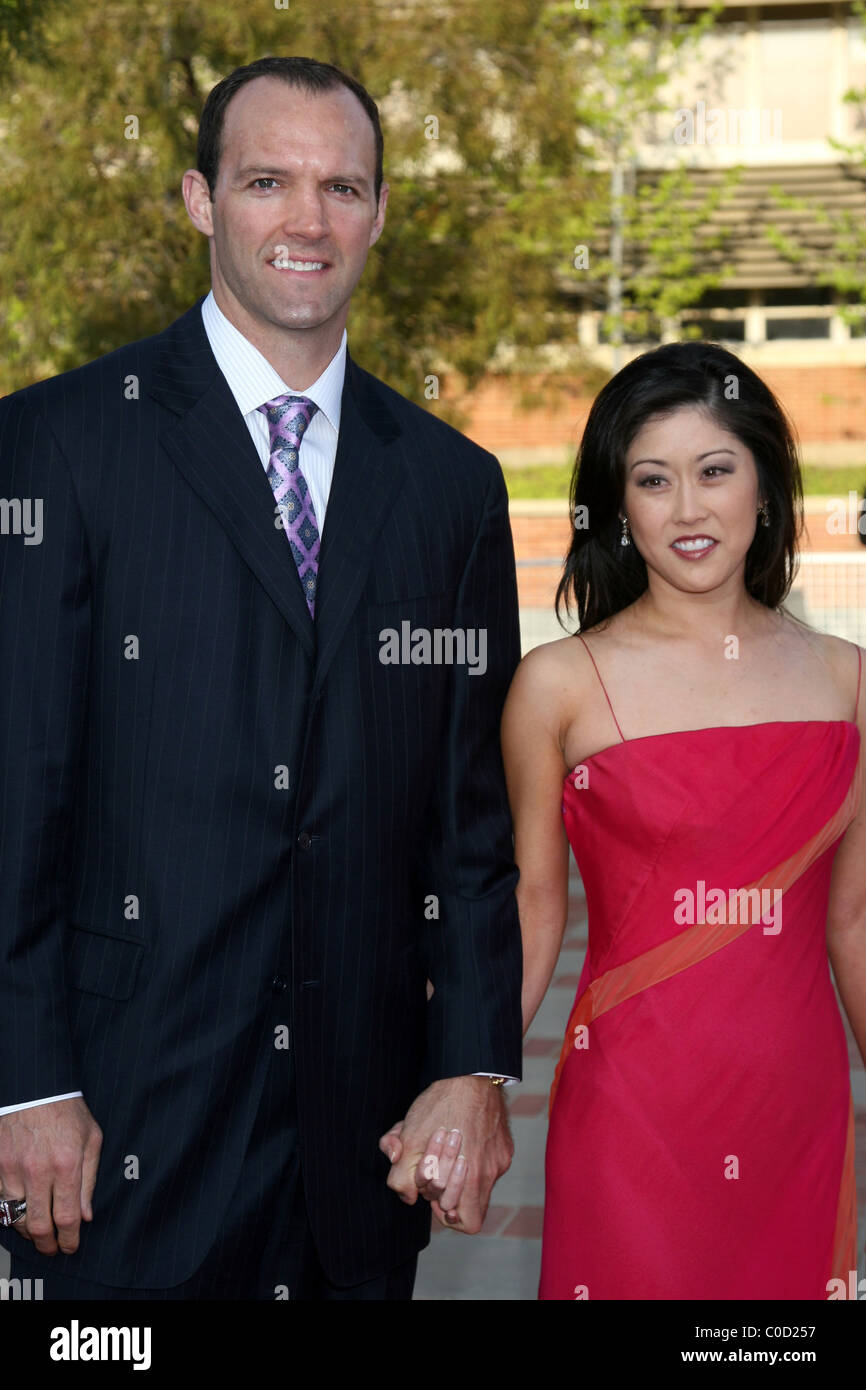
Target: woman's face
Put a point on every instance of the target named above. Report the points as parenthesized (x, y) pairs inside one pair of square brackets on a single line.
[(691, 498)]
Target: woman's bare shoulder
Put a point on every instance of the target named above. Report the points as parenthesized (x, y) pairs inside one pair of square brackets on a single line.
[(843, 660), (549, 683), (544, 668), (566, 659), (555, 679)]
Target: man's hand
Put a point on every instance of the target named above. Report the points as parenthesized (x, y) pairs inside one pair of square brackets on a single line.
[(471, 1108), (49, 1154)]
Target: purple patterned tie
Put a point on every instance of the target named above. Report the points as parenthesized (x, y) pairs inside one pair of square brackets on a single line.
[(288, 417)]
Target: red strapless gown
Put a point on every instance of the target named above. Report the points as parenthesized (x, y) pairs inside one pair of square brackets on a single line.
[(701, 1130)]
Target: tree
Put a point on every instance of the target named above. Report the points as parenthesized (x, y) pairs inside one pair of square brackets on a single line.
[(20, 29)]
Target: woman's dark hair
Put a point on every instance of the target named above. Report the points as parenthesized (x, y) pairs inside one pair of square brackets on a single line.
[(305, 73), (603, 576)]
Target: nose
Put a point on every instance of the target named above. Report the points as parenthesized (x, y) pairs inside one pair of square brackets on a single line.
[(304, 213), (688, 506)]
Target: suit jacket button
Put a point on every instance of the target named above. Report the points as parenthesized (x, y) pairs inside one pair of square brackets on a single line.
[(279, 984), (304, 840)]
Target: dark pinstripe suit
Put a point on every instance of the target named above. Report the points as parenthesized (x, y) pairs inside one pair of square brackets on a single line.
[(163, 897)]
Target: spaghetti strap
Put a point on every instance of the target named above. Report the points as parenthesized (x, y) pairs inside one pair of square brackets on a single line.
[(859, 671), (606, 696)]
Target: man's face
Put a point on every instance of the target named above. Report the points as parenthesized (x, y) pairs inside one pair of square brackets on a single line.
[(293, 213)]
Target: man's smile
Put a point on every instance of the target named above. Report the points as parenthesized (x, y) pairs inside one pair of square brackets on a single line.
[(297, 265)]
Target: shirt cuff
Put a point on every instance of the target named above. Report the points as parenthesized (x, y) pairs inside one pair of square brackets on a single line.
[(509, 1080), (28, 1104)]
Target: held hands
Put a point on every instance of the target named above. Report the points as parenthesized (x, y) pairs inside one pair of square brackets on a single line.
[(451, 1148), (441, 1174), (49, 1154)]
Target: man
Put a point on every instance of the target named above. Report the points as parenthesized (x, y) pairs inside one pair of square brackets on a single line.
[(248, 819)]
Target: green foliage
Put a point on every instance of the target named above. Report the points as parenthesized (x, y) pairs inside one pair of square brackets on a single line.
[(679, 260), (20, 29)]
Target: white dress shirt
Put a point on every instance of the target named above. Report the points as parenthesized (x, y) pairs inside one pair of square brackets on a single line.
[(253, 381)]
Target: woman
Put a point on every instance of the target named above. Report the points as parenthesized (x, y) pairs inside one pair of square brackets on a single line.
[(701, 750)]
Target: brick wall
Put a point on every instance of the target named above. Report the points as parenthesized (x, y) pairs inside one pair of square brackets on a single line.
[(827, 403)]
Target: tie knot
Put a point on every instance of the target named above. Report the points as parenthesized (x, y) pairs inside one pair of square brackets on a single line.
[(288, 416)]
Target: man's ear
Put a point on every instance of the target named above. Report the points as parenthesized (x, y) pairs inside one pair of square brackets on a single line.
[(378, 225), (196, 196)]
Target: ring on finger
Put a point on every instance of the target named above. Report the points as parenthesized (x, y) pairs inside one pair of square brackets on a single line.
[(12, 1209)]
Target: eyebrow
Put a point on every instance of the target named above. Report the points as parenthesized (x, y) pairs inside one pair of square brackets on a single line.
[(661, 463), (260, 171)]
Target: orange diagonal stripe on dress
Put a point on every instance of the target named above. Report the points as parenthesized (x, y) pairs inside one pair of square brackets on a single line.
[(700, 940)]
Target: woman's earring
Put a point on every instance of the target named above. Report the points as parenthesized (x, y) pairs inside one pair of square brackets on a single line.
[(764, 514), (623, 540)]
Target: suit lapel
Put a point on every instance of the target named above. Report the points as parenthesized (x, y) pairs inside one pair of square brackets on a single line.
[(368, 472), (210, 444)]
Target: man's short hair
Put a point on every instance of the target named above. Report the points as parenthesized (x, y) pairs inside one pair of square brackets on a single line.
[(306, 73)]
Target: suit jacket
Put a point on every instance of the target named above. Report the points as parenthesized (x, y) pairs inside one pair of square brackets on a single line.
[(219, 818)]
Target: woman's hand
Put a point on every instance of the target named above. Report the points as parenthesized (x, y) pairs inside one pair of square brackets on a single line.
[(441, 1174)]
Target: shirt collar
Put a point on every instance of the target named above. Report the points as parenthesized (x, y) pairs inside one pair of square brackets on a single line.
[(251, 378)]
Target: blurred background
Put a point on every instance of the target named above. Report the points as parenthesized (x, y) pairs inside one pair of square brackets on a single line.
[(572, 183)]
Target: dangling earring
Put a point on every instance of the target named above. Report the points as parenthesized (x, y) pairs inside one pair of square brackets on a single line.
[(764, 514), (623, 540)]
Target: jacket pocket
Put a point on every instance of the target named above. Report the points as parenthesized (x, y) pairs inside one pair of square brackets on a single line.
[(419, 610), (99, 963)]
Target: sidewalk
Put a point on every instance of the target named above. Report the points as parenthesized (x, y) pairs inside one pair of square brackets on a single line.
[(502, 1263)]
